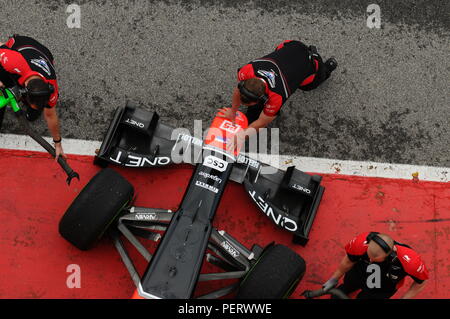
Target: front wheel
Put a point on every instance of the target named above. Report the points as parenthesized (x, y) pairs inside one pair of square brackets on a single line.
[(275, 274), (97, 206)]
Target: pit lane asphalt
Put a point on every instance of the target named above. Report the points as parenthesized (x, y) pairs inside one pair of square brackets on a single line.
[(388, 101)]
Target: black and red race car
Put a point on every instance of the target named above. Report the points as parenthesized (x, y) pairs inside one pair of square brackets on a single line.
[(136, 138)]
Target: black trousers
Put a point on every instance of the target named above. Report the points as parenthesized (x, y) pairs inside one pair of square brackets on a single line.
[(322, 75), (355, 279)]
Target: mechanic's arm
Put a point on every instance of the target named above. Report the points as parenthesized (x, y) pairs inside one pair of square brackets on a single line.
[(263, 121), (236, 100), (230, 113), (51, 117), (413, 290), (345, 265)]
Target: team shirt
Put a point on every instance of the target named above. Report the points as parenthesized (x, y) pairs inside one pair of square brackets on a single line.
[(22, 57), (283, 71), (406, 263)]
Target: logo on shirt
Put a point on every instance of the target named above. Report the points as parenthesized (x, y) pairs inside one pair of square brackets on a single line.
[(421, 268), (41, 63), (4, 58), (269, 75)]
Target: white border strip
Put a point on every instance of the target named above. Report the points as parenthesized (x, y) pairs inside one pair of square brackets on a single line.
[(356, 168), (26, 143), (307, 164)]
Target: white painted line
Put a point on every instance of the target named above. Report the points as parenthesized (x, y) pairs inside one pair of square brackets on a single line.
[(356, 168), (306, 164), (26, 143)]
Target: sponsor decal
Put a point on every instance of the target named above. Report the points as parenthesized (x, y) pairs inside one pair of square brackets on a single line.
[(206, 186), (282, 221), (248, 161), (269, 75), (41, 63), (407, 258), (17, 70), (135, 123), (230, 249), (230, 127), (190, 139), (137, 161), (215, 163), (146, 216), (221, 139), (209, 176), (301, 188)]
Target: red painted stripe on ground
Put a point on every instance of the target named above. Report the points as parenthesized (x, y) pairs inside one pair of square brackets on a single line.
[(34, 196)]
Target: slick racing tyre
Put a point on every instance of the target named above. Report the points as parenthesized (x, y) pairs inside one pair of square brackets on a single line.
[(275, 275), (96, 207)]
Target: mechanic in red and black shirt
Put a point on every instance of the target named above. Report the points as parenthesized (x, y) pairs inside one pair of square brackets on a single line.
[(266, 83), (27, 63), (378, 265)]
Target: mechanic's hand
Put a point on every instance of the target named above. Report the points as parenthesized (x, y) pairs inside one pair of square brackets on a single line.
[(227, 113), (59, 152), (330, 284)]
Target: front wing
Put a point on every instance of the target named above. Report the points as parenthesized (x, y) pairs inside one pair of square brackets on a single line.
[(136, 138)]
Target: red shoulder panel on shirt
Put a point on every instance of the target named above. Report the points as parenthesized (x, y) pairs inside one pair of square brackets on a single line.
[(358, 245), (54, 97), (246, 72), (10, 42), (412, 263), (13, 62), (273, 104)]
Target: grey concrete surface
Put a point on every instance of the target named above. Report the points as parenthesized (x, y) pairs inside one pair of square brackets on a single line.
[(388, 100)]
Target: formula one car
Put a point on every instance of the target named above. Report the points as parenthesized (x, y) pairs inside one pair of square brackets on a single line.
[(135, 138)]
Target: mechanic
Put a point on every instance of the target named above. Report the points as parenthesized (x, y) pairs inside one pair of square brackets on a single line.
[(27, 63), (266, 83), (368, 252)]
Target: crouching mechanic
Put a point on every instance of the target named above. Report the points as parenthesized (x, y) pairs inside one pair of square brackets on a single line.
[(266, 83), (378, 265), (27, 63)]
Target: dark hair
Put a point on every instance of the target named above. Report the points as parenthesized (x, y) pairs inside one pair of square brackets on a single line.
[(255, 86), (38, 92)]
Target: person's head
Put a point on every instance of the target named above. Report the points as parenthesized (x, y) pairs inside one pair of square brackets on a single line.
[(251, 91), (380, 247), (38, 92)]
